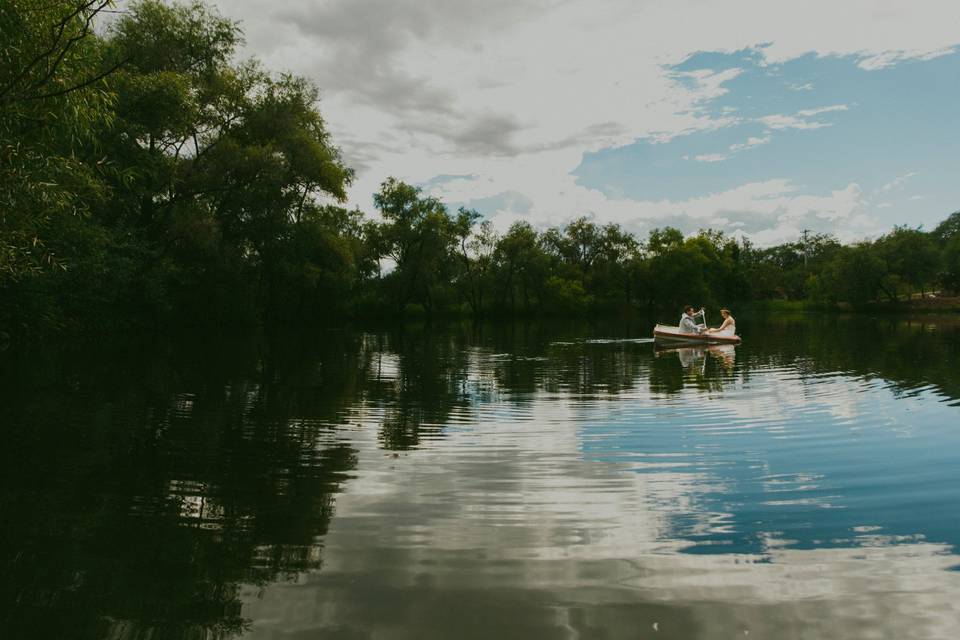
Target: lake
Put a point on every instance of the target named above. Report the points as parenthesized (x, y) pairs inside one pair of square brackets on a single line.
[(538, 480)]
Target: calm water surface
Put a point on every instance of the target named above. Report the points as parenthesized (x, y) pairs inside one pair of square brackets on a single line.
[(511, 481)]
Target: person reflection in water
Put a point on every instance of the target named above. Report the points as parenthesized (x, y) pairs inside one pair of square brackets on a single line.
[(687, 323), (725, 355), (728, 327), (689, 357)]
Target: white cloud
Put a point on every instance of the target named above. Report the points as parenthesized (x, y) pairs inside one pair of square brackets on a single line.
[(710, 157), (806, 113), (897, 183), (790, 122), (800, 121), (886, 59), (752, 141), (767, 212), (518, 91)]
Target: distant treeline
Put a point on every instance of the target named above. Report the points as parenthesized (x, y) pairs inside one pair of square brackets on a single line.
[(146, 177)]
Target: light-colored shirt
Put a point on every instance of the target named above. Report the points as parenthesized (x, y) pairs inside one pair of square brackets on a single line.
[(688, 325)]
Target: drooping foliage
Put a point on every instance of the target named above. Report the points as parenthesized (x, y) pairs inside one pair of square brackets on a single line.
[(53, 105), (144, 174)]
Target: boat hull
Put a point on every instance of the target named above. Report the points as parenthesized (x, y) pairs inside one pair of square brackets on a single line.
[(667, 333)]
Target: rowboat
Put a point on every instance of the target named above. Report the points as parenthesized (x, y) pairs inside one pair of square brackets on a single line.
[(666, 333)]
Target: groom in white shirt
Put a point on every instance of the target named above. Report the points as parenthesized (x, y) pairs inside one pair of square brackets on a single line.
[(687, 323)]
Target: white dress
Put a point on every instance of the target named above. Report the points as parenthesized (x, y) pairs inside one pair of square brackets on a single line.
[(730, 330)]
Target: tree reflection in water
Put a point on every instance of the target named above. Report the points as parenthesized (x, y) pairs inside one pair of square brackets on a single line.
[(417, 375), (144, 483), (142, 489)]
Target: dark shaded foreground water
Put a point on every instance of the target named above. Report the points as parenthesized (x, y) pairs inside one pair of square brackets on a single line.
[(512, 481)]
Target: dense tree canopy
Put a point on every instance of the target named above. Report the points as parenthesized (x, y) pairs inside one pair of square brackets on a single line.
[(146, 176), (53, 105)]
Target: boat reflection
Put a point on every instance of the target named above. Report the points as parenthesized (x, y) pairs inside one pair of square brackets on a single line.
[(723, 354), (705, 367)]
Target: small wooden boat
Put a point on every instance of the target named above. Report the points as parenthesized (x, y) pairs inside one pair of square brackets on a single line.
[(663, 333)]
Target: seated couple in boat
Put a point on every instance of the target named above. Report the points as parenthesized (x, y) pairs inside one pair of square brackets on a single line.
[(689, 325)]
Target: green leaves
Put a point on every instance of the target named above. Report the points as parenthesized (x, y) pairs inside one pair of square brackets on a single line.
[(202, 164), (419, 236), (52, 105), (182, 38), (911, 254)]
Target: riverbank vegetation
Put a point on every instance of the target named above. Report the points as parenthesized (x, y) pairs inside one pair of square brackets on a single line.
[(146, 177)]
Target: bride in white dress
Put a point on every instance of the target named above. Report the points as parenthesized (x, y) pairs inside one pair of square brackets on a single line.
[(729, 326)]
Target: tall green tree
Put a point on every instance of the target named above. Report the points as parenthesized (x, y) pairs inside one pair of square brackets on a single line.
[(420, 238), (911, 255), (855, 274), (947, 235), (521, 269), (145, 158), (54, 103), (613, 278), (476, 244), (950, 276)]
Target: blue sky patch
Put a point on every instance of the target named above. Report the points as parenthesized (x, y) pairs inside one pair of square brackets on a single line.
[(820, 122)]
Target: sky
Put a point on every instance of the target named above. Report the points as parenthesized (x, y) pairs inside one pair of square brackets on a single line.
[(758, 118)]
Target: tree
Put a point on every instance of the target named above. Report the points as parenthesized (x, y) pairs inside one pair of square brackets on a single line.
[(612, 278), (682, 270), (950, 276), (53, 102), (477, 244), (521, 267), (178, 178), (947, 235), (419, 237), (910, 254), (949, 228), (855, 274)]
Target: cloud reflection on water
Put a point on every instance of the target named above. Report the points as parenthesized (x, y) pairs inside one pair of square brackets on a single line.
[(573, 511), (477, 481)]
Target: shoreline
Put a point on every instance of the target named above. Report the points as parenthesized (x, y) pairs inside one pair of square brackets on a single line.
[(944, 305)]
